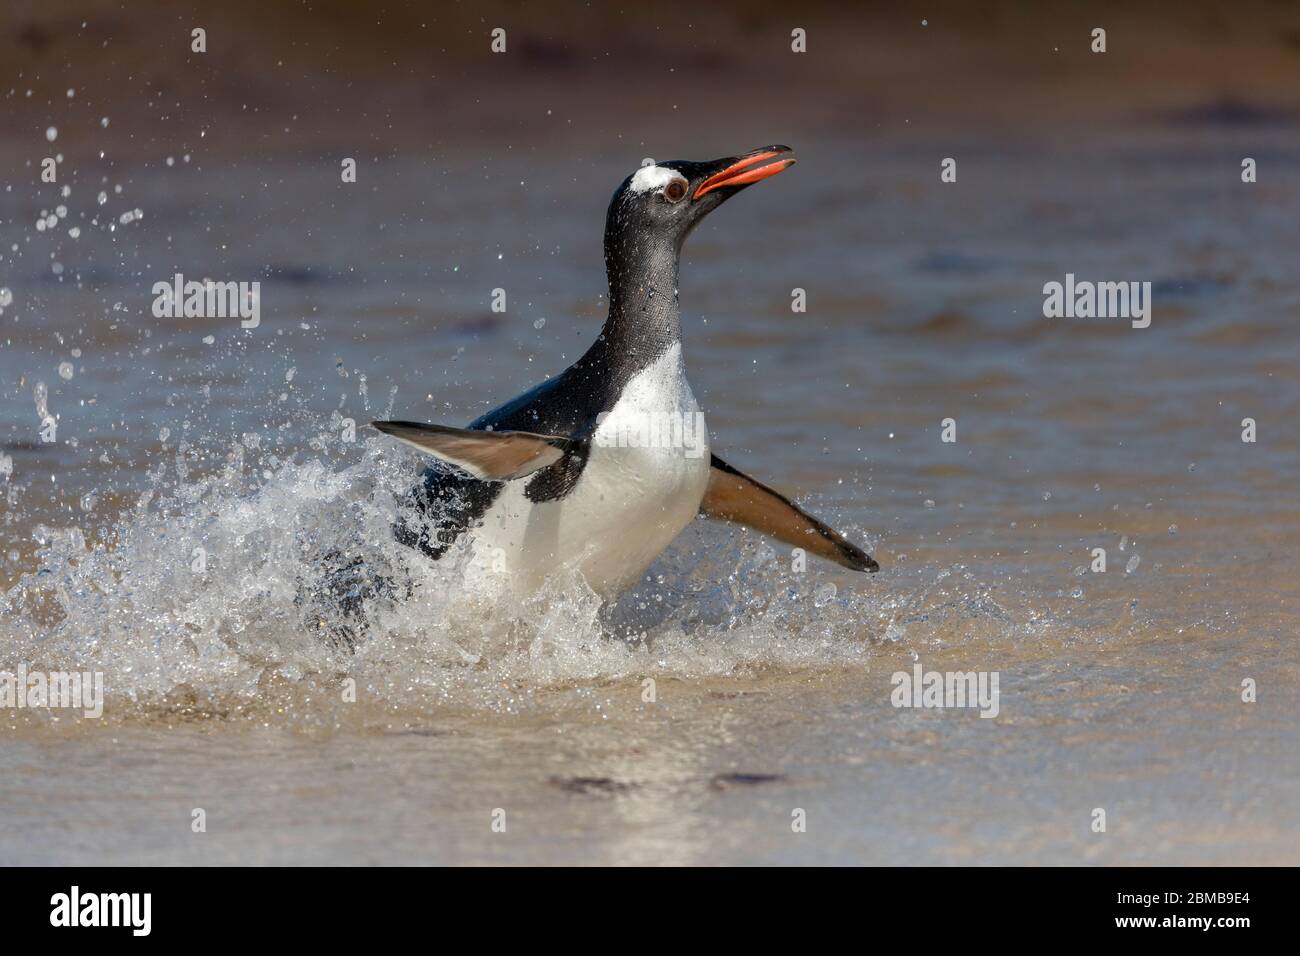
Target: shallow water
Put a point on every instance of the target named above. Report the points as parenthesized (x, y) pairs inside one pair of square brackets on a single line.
[(772, 686)]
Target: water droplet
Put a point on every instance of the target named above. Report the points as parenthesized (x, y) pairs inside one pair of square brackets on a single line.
[(1132, 565), (824, 594), (52, 134), (65, 371)]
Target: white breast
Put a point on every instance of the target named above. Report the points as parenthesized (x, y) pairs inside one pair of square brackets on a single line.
[(643, 483)]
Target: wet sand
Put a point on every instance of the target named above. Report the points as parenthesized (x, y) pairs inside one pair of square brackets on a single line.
[(710, 774)]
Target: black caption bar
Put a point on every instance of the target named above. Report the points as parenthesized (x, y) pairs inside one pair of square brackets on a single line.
[(333, 905)]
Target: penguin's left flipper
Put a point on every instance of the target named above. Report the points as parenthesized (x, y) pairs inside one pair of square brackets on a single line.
[(734, 496), (490, 456)]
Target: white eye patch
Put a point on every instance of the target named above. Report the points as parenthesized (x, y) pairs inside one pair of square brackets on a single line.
[(652, 177)]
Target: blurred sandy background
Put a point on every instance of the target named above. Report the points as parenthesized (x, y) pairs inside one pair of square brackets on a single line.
[(386, 76)]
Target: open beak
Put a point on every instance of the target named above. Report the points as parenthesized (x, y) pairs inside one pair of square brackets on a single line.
[(743, 170)]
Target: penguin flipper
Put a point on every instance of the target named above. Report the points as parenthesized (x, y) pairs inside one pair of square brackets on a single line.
[(489, 456), (734, 496)]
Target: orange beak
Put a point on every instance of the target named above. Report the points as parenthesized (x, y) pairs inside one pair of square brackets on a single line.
[(749, 169)]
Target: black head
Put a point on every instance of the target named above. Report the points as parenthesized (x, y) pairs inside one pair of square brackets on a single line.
[(660, 204)]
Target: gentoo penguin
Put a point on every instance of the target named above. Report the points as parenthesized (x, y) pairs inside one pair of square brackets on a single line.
[(599, 468)]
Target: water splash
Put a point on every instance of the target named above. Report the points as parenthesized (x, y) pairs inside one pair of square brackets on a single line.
[(218, 587)]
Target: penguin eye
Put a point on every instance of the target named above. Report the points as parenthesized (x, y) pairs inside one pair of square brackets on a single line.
[(675, 190)]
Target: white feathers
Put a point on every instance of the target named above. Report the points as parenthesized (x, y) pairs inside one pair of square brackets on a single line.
[(652, 177), (627, 506)]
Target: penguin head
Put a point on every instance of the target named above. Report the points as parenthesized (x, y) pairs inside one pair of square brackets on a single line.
[(662, 202)]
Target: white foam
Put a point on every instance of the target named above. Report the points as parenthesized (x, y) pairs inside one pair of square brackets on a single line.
[(215, 586)]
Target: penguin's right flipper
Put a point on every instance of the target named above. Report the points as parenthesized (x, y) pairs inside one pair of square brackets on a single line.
[(734, 496), (490, 456)]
